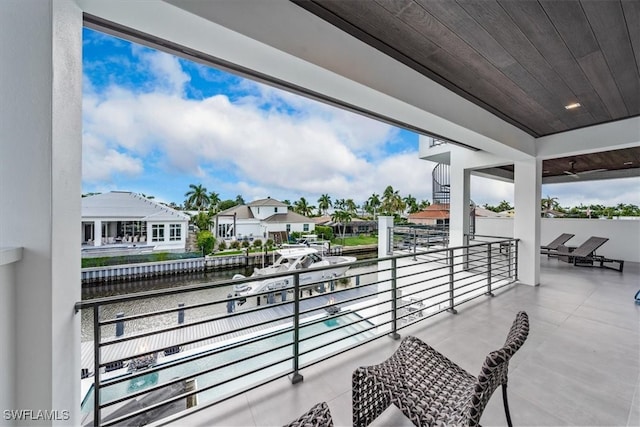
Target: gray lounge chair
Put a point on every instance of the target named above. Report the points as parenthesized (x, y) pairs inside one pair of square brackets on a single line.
[(552, 248), (585, 254), (430, 389)]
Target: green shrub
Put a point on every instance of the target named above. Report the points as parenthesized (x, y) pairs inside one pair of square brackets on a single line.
[(235, 245), (257, 243), (269, 243), (245, 244), (205, 241), (325, 232), (222, 246)]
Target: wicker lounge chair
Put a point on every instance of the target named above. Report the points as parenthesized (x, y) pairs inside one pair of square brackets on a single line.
[(585, 255), (552, 248), (318, 416), (430, 389)]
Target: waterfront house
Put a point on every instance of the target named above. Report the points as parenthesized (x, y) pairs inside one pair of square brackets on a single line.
[(499, 78), (436, 214), (264, 219), (122, 219)]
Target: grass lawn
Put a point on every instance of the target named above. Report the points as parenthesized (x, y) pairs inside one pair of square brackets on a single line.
[(357, 241)]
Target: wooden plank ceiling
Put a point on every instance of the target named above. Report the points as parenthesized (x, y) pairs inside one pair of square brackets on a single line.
[(524, 61)]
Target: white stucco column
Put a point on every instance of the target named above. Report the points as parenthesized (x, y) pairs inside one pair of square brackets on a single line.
[(97, 233), (385, 225), (460, 192), (40, 175), (526, 226)]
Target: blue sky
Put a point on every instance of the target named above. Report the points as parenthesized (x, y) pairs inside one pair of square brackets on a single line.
[(154, 123)]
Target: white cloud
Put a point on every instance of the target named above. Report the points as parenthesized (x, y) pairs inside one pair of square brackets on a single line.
[(166, 71), (491, 191), (100, 163), (300, 153)]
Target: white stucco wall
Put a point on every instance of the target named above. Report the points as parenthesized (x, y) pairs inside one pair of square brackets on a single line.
[(624, 235), (40, 174), (166, 243), (8, 256)]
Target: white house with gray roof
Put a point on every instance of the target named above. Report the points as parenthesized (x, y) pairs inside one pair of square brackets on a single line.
[(264, 218), (125, 219)]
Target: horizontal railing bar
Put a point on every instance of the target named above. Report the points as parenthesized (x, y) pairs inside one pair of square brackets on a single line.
[(355, 322), (445, 292), (105, 344), (167, 311), (195, 375), (195, 340), (191, 324), (195, 357)]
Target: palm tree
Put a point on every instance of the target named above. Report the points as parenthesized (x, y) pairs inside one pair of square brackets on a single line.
[(343, 218), (214, 201), (339, 204), (302, 207), (411, 203), (350, 206), (424, 204), (548, 204), (196, 197), (392, 203), (324, 203), (373, 203), (240, 200), (288, 203)]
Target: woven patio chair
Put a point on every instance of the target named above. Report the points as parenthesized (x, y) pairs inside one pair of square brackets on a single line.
[(430, 389), (318, 416)]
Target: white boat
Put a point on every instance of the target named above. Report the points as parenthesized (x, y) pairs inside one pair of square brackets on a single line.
[(310, 241), (294, 259)]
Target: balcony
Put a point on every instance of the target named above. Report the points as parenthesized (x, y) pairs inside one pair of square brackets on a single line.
[(579, 365)]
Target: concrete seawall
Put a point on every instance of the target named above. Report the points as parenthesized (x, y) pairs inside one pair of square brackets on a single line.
[(135, 271)]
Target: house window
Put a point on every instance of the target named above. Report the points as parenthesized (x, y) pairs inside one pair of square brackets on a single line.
[(175, 232), (305, 227), (275, 210), (288, 228), (157, 233)]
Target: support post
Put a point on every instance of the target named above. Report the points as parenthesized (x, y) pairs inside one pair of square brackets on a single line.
[(181, 313), (489, 270), (451, 308), (96, 365), (296, 378), (119, 325), (394, 300)]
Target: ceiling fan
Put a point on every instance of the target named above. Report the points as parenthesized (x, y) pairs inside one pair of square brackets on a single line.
[(572, 170)]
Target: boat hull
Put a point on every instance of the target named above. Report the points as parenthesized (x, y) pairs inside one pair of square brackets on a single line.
[(342, 264)]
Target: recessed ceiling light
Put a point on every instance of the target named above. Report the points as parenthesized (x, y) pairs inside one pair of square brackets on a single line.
[(572, 106), (545, 171), (628, 163)]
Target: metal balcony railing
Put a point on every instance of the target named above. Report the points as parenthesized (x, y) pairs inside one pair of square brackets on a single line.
[(210, 348)]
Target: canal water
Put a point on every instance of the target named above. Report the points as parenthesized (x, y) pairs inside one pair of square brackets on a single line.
[(146, 305)]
